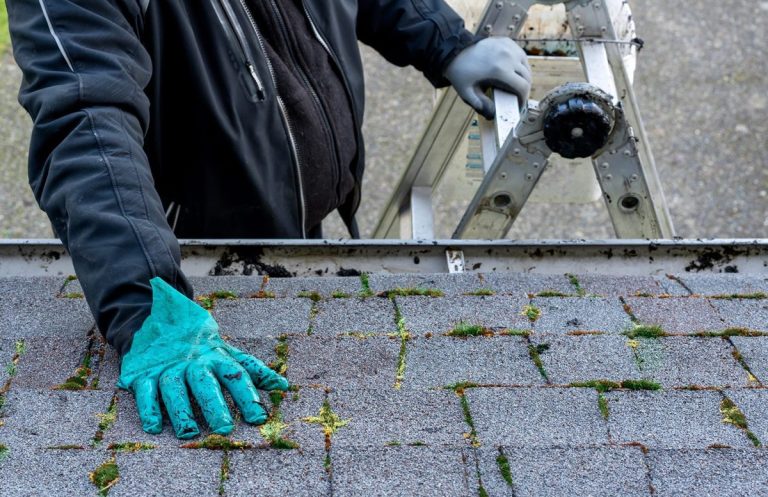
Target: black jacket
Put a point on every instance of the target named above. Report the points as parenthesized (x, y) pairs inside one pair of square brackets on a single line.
[(140, 106)]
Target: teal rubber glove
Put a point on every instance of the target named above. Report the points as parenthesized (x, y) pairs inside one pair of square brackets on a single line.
[(495, 62), (178, 346)]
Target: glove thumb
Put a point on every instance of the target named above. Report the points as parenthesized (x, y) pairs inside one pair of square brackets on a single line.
[(475, 98)]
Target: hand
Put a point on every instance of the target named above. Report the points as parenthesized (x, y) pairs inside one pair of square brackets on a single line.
[(178, 346), (496, 62)]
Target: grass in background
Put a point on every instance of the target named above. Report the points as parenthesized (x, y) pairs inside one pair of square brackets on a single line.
[(5, 37)]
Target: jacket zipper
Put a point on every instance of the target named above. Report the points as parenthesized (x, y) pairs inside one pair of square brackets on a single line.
[(348, 89), (329, 136), (237, 40), (284, 114)]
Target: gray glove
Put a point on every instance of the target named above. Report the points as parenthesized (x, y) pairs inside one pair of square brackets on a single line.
[(496, 62)]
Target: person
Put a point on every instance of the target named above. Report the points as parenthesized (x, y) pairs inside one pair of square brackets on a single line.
[(211, 119)]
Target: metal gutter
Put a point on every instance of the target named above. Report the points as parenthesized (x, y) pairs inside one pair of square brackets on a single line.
[(315, 258)]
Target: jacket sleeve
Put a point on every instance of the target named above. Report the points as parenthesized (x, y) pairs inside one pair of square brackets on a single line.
[(85, 71), (426, 34)]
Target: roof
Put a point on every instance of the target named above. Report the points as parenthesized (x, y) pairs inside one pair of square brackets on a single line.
[(576, 385)]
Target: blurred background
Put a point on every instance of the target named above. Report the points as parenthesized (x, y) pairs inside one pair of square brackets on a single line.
[(702, 83)]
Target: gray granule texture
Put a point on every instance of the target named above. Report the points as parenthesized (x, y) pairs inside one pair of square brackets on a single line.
[(294, 409), (524, 284), (441, 361), (564, 315), (27, 472), (671, 420), (450, 284), (342, 316), (343, 362), (277, 473), (440, 315), (167, 472), (741, 313), (621, 286), (537, 417), (254, 318), (378, 417), (677, 315), (754, 405), (325, 286), (754, 351), (684, 361), (45, 418), (30, 316), (399, 471), (721, 472), (569, 359), (724, 284), (242, 286), (596, 472), (48, 363)]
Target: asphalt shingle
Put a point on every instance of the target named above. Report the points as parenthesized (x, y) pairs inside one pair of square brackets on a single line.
[(741, 313), (31, 317), (596, 472), (46, 418), (396, 471), (48, 363), (722, 472), (571, 359), (670, 420), (343, 316), (677, 315), (628, 286), (32, 473), (441, 361), (724, 284), (325, 286), (378, 417), (254, 318), (450, 284), (684, 361), (755, 354), (174, 473), (537, 417), (7, 353), (277, 473), (754, 405), (343, 362), (524, 284), (242, 286), (22, 288), (440, 315), (572, 315)]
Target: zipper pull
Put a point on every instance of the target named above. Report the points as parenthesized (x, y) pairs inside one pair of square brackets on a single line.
[(256, 79)]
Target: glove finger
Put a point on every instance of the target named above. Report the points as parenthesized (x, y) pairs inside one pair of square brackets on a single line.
[(262, 376), (176, 399), (485, 106), (513, 83), (236, 379), (207, 392), (148, 405)]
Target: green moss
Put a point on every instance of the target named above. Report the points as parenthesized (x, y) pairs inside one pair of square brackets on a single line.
[(468, 419), (602, 404), (482, 292), (481, 492), (551, 293), (732, 414), (393, 443), (366, 284), (71, 277), (327, 463), (753, 438), (730, 332), (412, 292), (272, 432), (329, 420), (131, 446), (205, 302), (276, 397), (404, 335), (105, 476), (576, 284), (461, 386), (417, 443), (506, 473), (224, 294), (469, 330), (338, 294), (66, 447), (280, 364), (314, 295), (263, 294), (534, 352), (745, 296), (224, 473), (73, 295), (532, 312), (3, 451), (607, 385), (645, 331), (217, 442), (516, 333), (106, 420)]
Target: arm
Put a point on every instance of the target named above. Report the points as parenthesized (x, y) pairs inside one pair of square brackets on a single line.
[(85, 71), (426, 34)]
